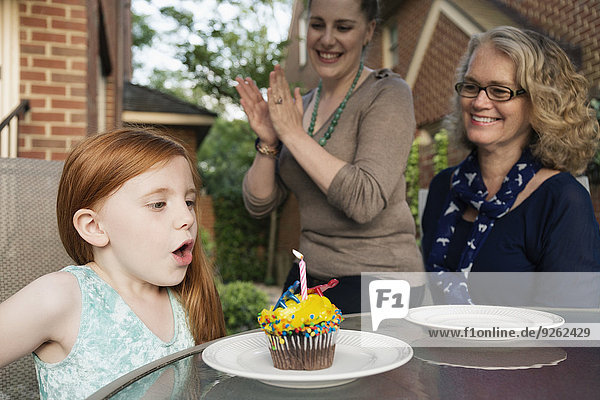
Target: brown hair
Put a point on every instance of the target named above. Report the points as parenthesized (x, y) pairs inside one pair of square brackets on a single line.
[(370, 9), (98, 167)]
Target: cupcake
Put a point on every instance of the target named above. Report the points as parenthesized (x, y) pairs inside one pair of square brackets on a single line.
[(302, 334)]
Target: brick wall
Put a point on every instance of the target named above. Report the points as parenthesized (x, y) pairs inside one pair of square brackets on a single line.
[(53, 39), (433, 87), (416, 12), (207, 215)]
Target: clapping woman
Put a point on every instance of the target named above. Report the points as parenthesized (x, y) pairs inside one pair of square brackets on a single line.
[(342, 150)]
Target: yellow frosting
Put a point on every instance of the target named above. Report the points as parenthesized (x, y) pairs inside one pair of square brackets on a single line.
[(312, 314)]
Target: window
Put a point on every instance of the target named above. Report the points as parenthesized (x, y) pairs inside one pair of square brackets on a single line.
[(302, 50), (392, 47)]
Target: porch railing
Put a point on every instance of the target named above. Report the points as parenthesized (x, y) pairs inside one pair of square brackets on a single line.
[(9, 130)]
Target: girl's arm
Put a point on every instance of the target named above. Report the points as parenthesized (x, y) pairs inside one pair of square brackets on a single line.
[(43, 315)]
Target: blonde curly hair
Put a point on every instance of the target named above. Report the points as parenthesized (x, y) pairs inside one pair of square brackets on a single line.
[(565, 130)]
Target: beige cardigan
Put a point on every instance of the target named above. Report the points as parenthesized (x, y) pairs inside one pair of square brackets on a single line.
[(364, 223)]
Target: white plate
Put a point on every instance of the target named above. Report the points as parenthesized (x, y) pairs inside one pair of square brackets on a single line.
[(482, 318), (357, 354)]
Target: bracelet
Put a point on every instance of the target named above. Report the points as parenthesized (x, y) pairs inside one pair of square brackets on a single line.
[(267, 150)]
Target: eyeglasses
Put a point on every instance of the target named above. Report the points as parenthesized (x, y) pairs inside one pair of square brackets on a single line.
[(493, 92)]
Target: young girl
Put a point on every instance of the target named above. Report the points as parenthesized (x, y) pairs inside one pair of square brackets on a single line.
[(142, 289)]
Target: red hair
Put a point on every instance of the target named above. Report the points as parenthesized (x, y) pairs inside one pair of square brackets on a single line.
[(99, 166)]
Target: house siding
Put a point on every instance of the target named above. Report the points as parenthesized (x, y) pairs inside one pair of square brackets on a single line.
[(433, 88), (566, 21), (408, 33)]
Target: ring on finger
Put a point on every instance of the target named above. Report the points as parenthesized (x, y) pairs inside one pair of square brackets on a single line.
[(279, 101)]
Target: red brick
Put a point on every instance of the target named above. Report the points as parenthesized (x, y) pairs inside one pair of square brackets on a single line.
[(48, 89), (67, 78), (78, 118), (48, 37), (52, 143), (59, 156), (32, 49), (68, 130), (79, 65), (76, 39), (47, 116), (32, 129), (70, 2), (78, 92), (33, 22), (51, 11), (49, 63), (69, 104), (37, 103), (41, 155), (69, 26), (75, 13), (33, 76), (68, 51)]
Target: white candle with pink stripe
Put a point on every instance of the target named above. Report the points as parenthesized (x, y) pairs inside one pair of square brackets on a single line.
[(302, 265)]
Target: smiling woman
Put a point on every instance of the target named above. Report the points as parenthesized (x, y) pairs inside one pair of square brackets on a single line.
[(342, 150), (513, 205)]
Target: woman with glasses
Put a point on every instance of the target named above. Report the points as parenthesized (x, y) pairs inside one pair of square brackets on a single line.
[(342, 150), (513, 204)]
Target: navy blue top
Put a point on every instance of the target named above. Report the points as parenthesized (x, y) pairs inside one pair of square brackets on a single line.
[(552, 230)]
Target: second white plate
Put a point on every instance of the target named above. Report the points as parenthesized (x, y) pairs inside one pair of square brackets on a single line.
[(357, 354), (481, 317)]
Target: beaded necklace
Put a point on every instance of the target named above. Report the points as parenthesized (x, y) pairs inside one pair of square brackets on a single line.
[(338, 112)]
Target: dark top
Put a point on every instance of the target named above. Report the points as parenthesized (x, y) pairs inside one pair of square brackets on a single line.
[(553, 230)]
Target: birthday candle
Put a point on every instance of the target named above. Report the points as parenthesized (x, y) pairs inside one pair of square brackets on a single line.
[(302, 265)]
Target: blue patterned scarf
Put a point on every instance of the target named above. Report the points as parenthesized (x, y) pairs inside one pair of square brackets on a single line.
[(468, 188)]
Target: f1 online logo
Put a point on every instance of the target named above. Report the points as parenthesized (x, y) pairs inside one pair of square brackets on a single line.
[(389, 299)]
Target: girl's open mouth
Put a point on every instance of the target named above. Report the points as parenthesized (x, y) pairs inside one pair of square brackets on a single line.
[(183, 255)]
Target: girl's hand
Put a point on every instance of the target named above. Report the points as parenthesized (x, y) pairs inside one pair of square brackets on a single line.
[(257, 110), (286, 112)]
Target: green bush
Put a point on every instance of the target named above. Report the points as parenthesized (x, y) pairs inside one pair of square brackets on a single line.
[(593, 169), (208, 245), (240, 241), (241, 301), (440, 159), (412, 181)]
